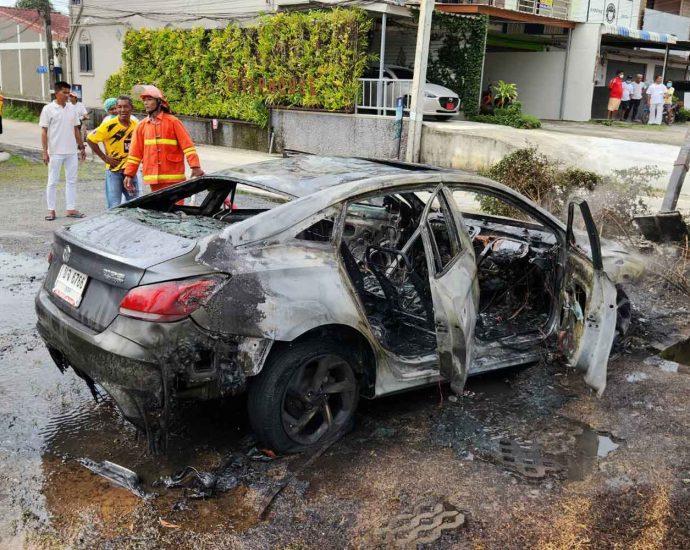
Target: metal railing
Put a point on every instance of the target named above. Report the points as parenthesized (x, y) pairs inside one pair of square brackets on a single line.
[(380, 95), (559, 9)]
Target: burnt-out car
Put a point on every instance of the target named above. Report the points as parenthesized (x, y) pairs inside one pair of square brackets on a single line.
[(328, 279)]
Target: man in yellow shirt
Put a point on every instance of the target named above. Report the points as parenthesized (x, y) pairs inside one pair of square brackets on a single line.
[(116, 136)]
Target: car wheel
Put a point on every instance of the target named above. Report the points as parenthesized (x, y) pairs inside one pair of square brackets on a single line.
[(305, 395)]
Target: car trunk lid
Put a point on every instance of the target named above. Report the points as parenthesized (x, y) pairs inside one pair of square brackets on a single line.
[(113, 251)]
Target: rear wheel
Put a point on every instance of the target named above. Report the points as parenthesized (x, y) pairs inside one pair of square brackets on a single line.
[(305, 395)]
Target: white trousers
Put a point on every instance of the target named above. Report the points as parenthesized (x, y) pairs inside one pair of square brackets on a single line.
[(656, 111), (55, 164)]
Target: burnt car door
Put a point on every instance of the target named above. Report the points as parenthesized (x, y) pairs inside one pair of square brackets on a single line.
[(452, 271), (588, 319)]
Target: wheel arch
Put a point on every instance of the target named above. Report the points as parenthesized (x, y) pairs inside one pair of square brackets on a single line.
[(354, 339)]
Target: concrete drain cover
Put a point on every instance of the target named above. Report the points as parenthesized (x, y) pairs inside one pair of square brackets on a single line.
[(424, 525), (524, 459)]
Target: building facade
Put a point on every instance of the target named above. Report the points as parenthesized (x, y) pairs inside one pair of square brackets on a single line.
[(23, 52), (560, 53)]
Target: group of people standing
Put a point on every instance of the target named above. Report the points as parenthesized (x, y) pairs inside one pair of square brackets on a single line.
[(159, 144), (627, 94)]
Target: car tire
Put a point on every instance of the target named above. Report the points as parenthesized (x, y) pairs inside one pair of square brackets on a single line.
[(306, 395)]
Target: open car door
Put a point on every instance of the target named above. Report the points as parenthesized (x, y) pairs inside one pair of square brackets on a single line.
[(588, 320), (455, 296)]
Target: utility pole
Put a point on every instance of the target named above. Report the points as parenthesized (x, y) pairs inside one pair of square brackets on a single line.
[(414, 132), (45, 11)]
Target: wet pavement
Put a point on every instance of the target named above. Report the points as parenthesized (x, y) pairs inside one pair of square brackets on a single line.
[(525, 458)]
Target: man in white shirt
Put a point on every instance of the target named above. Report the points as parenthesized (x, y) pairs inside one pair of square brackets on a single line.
[(82, 112), (655, 100), (61, 139), (636, 96), (625, 99)]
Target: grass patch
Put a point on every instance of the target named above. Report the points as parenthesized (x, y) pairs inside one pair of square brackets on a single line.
[(19, 113), (18, 169)]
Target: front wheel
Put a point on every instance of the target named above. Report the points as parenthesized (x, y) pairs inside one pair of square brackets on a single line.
[(305, 395)]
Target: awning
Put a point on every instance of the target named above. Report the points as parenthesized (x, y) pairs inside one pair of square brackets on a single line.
[(637, 34)]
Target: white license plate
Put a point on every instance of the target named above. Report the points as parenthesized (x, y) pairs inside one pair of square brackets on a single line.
[(70, 285)]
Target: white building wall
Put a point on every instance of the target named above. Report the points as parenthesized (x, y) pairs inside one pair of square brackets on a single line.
[(538, 75), (580, 72)]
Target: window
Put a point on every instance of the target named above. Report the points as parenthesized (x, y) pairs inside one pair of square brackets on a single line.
[(85, 53), (442, 234), (85, 58)]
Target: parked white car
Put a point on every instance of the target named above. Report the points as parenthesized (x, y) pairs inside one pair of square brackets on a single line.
[(439, 101)]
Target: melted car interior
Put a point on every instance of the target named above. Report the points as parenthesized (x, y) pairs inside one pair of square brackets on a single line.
[(517, 261)]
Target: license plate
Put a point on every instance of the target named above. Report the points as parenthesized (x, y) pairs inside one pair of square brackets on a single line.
[(70, 285), (450, 106)]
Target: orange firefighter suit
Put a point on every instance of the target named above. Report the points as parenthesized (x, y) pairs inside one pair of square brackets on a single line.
[(162, 143)]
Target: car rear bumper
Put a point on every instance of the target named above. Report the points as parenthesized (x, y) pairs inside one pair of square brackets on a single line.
[(134, 361)]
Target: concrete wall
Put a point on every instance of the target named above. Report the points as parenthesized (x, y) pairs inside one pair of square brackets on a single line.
[(538, 75), (580, 72), (336, 133)]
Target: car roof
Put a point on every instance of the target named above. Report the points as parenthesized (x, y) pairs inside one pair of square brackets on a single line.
[(303, 174), (318, 182)]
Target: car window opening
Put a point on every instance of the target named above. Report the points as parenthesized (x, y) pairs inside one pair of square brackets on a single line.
[(517, 267), (386, 260), (202, 206)]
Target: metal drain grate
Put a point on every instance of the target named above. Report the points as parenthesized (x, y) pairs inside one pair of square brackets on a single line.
[(524, 459), (424, 525)]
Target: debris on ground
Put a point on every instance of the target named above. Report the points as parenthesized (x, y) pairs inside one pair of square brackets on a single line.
[(119, 475)]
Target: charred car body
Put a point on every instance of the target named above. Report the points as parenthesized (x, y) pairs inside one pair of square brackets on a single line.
[(330, 278)]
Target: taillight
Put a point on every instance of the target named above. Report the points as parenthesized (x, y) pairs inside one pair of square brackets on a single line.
[(169, 301)]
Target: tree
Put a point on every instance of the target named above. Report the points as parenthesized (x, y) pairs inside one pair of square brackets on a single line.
[(38, 5)]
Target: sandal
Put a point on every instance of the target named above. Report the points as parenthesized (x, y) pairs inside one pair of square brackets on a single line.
[(50, 217), (75, 215)]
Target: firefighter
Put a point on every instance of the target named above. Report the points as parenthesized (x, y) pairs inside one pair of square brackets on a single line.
[(162, 143)]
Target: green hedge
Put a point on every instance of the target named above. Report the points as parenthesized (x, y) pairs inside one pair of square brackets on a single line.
[(458, 62), (510, 116), (217, 72)]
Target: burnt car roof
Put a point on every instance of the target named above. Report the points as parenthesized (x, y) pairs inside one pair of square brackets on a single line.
[(304, 174)]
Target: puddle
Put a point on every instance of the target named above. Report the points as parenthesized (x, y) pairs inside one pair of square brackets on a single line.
[(49, 420), (678, 352), (590, 447)]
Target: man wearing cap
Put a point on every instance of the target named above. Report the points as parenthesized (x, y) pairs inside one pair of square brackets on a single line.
[(110, 107), (162, 143), (81, 110)]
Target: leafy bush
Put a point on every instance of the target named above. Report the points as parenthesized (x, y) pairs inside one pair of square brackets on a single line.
[(614, 200), (510, 116), (236, 71), (505, 92), (620, 198), (19, 112), (682, 115), (538, 178)]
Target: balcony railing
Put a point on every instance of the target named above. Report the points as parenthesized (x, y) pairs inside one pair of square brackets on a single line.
[(558, 9)]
